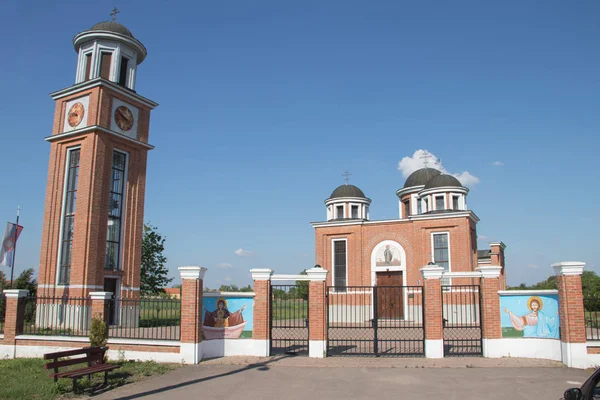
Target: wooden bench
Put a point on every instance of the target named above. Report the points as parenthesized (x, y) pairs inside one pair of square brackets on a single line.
[(93, 358)]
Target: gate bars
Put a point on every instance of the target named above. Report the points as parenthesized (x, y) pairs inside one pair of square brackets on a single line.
[(289, 319), (375, 321), (461, 311)]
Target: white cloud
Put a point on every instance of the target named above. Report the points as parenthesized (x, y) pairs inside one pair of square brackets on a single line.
[(227, 279), (532, 266), (243, 253), (482, 237), (498, 164), (421, 158), (224, 265)]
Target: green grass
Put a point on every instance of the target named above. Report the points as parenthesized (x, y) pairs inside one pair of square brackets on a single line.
[(246, 335), (288, 309), (26, 378), (511, 332)]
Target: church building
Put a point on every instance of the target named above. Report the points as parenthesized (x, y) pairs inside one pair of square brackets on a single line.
[(434, 225)]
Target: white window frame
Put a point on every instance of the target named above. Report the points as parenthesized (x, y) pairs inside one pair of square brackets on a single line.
[(62, 212), (435, 199), (123, 210), (333, 260), (447, 233), (456, 198), (359, 209), (343, 205)]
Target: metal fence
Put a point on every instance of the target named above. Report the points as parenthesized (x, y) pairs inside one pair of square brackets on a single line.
[(2, 311), (57, 316), (461, 313), (289, 319), (592, 317), (146, 318), (375, 321)]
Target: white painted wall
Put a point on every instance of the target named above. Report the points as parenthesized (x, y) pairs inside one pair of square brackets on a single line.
[(549, 349), (234, 347)]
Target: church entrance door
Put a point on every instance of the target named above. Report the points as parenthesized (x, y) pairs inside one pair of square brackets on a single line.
[(390, 296)]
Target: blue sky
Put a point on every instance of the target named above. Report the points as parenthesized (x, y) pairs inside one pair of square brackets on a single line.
[(263, 105)]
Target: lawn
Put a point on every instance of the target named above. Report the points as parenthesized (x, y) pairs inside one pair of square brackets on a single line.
[(289, 309), (26, 378)]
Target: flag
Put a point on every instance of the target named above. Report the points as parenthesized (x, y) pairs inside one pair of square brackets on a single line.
[(7, 250)]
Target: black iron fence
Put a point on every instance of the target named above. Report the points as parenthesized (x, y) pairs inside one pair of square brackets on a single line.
[(592, 317), (461, 313), (146, 318), (375, 320), (2, 311), (289, 319), (57, 316)]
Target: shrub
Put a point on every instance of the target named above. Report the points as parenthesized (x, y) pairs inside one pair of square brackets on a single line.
[(98, 331)]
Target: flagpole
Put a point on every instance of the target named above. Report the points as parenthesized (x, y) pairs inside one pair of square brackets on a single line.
[(12, 268)]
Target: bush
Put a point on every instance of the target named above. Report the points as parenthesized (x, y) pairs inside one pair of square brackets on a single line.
[(98, 331)]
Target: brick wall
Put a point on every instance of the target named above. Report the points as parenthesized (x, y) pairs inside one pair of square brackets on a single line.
[(316, 313), (433, 309), (571, 310), (261, 310)]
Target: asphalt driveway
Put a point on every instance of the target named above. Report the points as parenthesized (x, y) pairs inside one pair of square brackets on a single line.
[(306, 379)]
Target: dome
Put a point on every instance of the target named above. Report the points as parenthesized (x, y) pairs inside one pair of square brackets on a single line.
[(420, 177), (112, 26), (442, 180), (347, 191)]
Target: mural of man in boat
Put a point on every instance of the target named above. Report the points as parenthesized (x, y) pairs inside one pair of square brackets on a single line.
[(223, 324)]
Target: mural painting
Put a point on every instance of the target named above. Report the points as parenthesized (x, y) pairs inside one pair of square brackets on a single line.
[(388, 256), (530, 316), (221, 323)]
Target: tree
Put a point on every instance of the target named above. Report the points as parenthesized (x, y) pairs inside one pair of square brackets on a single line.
[(153, 270), (26, 280), (302, 291)]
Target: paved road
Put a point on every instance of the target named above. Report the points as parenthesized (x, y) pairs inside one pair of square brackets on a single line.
[(270, 379)]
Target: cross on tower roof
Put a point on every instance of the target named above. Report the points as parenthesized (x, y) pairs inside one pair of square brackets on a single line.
[(114, 13), (425, 157), (346, 175)]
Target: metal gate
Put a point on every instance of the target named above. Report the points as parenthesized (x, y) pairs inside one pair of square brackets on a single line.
[(289, 319), (375, 321), (461, 311)]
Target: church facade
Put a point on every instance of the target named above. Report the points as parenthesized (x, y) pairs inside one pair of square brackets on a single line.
[(435, 226)]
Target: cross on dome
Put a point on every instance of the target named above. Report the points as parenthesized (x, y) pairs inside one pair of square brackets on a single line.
[(346, 176), (114, 13)]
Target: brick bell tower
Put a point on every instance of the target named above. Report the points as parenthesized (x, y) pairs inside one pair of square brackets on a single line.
[(94, 211)]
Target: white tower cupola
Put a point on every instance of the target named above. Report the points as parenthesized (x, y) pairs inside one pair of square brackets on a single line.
[(108, 50), (347, 202)]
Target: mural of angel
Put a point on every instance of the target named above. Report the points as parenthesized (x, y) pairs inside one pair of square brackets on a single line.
[(536, 323)]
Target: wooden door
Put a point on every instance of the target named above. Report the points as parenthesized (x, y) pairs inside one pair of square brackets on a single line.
[(390, 295)]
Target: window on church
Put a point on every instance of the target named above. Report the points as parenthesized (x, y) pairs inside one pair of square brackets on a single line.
[(354, 211), (115, 212), (425, 205), (88, 66), (441, 254), (339, 211), (123, 71), (439, 202), (455, 200), (406, 209), (105, 60), (419, 207), (339, 265), (68, 221)]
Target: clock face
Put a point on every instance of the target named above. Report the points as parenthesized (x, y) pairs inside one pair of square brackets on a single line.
[(75, 114), (124, 118)]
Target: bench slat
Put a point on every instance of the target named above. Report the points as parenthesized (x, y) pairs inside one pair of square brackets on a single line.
[(66, 363), (86, 371), (69, 353)]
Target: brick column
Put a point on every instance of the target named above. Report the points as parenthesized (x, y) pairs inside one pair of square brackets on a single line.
[(317, 312), (262, 310), (432, 299), (192, 287), (100, 305), (491, 328), (571, 313), (497, 258), (13, 320)]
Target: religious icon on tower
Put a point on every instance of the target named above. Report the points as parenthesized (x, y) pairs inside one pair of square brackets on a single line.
[(388, 256), (124, 118), (75, 115)]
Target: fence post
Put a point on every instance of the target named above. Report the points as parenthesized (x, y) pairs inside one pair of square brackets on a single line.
[(100, 305), (571, 313), (262, 310), (491, 328), (432, 296), (317, 312), (13, 320), (192, 287)]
